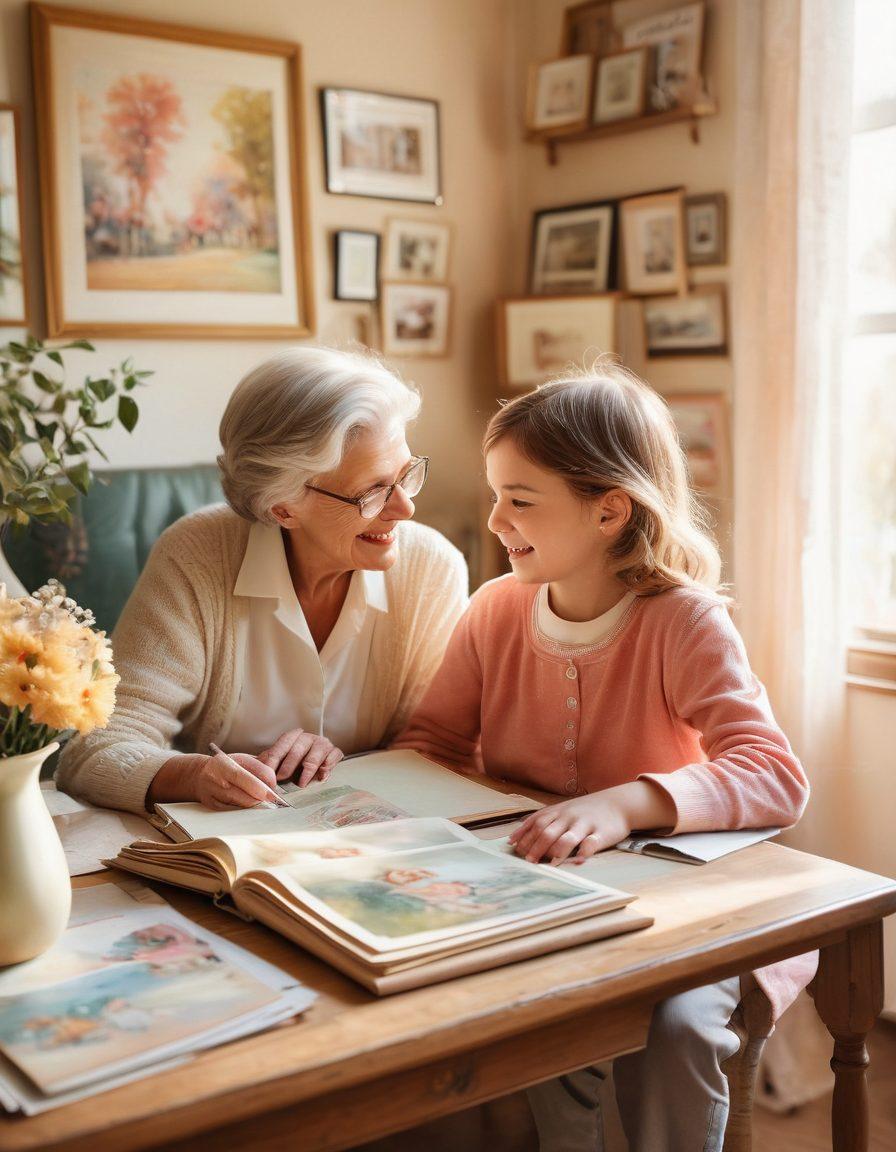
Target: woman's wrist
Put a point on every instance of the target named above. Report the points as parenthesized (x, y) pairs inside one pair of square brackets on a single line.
[(175, 780), (647, 806)]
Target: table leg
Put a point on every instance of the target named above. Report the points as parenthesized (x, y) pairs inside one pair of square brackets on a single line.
[(849, 995)]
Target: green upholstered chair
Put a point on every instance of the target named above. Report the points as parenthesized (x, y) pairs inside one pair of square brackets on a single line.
[(100, 556)]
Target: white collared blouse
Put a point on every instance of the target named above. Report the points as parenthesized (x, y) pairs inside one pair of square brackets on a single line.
[(286, 682)]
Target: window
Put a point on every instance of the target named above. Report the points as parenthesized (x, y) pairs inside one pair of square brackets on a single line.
[(869, 420)]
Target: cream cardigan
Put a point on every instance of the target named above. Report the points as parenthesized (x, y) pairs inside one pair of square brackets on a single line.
[(180, 642)]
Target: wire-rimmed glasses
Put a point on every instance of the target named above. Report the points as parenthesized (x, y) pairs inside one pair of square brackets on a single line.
[(370, 504)]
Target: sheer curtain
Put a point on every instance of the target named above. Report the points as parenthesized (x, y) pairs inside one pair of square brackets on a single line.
[(790, 309)]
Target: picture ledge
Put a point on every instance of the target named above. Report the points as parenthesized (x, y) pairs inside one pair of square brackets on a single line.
[(694, 113)]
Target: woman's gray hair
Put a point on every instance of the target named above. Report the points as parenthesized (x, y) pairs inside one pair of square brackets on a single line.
[(293, 417)]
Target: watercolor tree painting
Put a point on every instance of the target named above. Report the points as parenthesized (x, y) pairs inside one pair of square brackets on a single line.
[(178, 187)]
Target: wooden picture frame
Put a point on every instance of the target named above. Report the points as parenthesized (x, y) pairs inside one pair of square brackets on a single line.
[(702, 423), (651, 237), (381, 145), (609, 106), (415, 319), (356, 265), (706, 229), (14, 303), (219, 244), (417, 250), (691, 325), (559, 94), (676, 36), (540, 336), (585, 248), (589, 28)]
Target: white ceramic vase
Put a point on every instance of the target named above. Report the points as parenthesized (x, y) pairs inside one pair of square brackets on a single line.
[(35, 889), (14, 586)]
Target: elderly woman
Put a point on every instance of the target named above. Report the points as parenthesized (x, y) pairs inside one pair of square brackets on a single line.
[(301, 622)]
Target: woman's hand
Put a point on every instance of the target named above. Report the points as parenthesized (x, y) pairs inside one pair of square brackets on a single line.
[(219, 785), (593, 823), (317, 755)]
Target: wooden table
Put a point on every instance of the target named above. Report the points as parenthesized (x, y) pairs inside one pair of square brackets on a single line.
[(354, 1067)]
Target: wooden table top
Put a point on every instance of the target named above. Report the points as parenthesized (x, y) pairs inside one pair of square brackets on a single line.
[(711, 921)]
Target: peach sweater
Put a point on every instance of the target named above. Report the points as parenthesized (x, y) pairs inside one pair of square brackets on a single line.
[(667, 696)]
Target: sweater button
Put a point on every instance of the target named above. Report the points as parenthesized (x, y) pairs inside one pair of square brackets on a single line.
[(571, 787), (569, 745), (571, 702), (571, 673)]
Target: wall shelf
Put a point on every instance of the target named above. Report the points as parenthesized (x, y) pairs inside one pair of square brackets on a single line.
[(693, 114)]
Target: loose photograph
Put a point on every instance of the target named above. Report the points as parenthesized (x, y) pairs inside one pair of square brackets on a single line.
[(541, 336), (687, 325), (560, 93), (676, 35), (415, 319), (174, 199), (380, 145), (652, 231), (416, 250), (574, 248)]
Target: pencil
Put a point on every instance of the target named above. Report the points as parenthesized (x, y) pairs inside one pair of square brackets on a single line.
[(272, 795)]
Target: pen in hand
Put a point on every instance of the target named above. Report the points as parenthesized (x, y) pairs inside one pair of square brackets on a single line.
[(272, 796)]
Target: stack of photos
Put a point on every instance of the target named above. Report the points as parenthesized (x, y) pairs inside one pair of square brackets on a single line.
[(415, 304), (395, 905), (130, 988)]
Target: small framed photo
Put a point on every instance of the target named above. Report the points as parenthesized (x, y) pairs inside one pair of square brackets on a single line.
[(382, 146), (705, 226), (652, 231), (540, 336), (560, 93), (13, 295), (620, 90), (676, 35), (588, 28), (416, 250), (702, 423), (574, 249), (356, 260), (693, 325), (415, 319)]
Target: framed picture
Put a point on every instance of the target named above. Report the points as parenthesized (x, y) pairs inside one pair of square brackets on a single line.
[(416, 250), (540, 336), (13, 293), (705, 226), (380, 145), (415, 319), (690, 325), (702, 422), (559, 93), (171, 178), (574, 249), (652, 233), (588, 28), (620, 90), (676, 35), (356, 263)]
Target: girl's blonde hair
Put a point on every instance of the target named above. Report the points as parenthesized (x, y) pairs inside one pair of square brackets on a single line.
[(605, 428)]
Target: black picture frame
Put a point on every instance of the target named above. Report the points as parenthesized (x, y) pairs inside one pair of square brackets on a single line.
[(613, 257), (430, 190), (340, 239)]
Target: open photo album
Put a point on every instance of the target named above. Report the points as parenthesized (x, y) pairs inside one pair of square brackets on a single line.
[(396, 904)]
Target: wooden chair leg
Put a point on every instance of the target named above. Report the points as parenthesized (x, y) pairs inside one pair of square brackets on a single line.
[(752, 1022)]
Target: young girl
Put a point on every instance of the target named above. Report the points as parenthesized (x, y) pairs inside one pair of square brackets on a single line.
[(606, 670)]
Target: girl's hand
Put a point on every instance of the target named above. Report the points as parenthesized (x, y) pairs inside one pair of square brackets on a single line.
[(590, 824), (317, 755)]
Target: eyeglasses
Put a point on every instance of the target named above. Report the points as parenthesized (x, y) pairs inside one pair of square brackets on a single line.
[(371, 503)]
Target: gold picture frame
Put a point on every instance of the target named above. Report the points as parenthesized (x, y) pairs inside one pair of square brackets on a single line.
[(540, 336), (122, 257), (14, 310)]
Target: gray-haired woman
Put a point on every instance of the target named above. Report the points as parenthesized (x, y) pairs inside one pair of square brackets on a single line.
[(300, 623)]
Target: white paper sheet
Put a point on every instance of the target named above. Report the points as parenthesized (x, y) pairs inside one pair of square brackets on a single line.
[(696, 847), (90, 835)]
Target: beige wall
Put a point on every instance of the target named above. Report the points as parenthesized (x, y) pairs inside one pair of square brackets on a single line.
[(452, 52)]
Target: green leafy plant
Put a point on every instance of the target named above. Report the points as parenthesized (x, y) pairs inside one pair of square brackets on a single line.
[(47, 427)]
